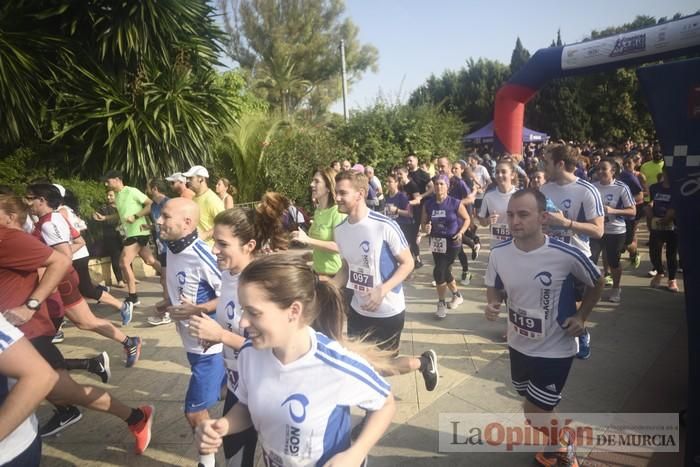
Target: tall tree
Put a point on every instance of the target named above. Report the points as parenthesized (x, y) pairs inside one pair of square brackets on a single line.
[(519, 56), (291, 48)]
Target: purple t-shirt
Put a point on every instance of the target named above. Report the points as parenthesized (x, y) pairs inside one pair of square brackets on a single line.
[(445, 222), (458, 189), (400, 200), (632, 182)]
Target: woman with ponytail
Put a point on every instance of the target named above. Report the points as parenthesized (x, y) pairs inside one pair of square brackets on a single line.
[(296, 385)]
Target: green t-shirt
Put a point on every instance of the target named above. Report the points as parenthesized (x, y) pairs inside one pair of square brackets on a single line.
[(323, 228), (651, 171), (209, 206), (129, 201)]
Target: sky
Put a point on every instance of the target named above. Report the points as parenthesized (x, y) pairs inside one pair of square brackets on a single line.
[(417, 38)]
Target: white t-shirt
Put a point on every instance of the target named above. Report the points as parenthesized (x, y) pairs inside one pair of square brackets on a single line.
[(370, 248), (56, 230), (301, 410), (496, 202), (541, 294), (22, 437), (578, 201), (482, 178), (194, 275), (228, 315), (616, 195)]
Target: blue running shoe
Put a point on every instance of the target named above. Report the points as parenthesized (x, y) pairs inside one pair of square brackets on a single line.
[(133, 351), (584, 346), (126, 312)]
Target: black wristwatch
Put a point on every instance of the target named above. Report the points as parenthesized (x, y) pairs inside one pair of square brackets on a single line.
[(33, 304)]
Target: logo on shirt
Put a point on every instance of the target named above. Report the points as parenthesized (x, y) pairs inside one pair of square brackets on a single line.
[(364, 246), (297, 412), (609, 197), (566, 204), (230, 309), (545, 278), (181, 279)]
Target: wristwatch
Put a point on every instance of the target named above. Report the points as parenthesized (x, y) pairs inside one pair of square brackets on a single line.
[(33, 304)]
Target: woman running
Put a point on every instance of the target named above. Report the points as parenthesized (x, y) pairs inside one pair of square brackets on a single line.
[(234, 246), (460, 190), (618, 204), (661, 218), (296, 385), (397, 207), (326, 260), (444, 219), (492, 212), (226, 192)]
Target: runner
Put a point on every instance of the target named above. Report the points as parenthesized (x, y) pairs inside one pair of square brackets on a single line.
[(112, 238), (132, 208), (226, 192), (208, 202), (326, 260), (533, 271), (412, 191), (661, 217), (178, 183), (444, 220), (492, 212), (194, 284), (396, 206), (577, 213), (155, 190), (459, 190), (22, 299), (537, 179), (376, 261), (234, 246), (635, 182), (25, 380), (618, 205), (310, 379), (420, 179)]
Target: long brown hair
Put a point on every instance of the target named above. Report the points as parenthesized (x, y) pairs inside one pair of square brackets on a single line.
[(328, 176), (287, 278), (268, 220)]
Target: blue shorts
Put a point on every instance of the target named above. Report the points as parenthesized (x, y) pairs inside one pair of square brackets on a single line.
[(208, 376), (540, 380)]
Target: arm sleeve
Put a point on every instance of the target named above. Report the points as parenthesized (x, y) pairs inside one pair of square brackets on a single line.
[(593, 205), (34, 253), (627, 199), (484, 209), (395, 238), (491, 279), (56, 231), (362, 386), (139, 195), (584, 270), (8, 334)]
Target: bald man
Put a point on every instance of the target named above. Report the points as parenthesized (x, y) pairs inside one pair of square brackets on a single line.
[(194, 283)]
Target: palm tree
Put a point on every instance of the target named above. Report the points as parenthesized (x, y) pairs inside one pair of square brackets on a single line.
[(285, 87)]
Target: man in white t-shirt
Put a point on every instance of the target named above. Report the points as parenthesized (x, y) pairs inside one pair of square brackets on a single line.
[(579, 213), (532, 272), (25, 380), (193, 286), (376, 260)]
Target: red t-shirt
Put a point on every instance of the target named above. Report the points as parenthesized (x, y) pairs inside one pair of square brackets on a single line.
[(20, 256)]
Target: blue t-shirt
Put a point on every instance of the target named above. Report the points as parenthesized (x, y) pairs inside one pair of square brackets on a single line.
[(445, 222), (632, 182)]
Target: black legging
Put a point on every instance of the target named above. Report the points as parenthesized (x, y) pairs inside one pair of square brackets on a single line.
[(411, 233), (85, 285), (442, 273), (113, 248), (657, 238)]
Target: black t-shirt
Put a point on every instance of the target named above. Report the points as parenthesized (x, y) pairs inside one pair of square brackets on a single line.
[(421, 178)]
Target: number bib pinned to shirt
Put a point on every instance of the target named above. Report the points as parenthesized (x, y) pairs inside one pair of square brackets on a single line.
[(438, 245), (500, 232), (527, 323), (361, 279), (560, 234)]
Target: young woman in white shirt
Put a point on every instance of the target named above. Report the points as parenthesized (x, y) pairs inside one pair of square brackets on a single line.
[(492, 212), (296, 385)]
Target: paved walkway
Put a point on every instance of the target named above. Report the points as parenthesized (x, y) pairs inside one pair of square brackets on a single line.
[(638, 364)]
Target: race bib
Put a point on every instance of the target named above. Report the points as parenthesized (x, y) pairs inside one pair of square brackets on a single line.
[(438, 245), (361, 280), (500, 232), (527, 323), (563, 235)]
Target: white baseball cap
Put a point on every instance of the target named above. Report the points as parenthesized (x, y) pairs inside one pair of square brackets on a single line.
[(197, 170), (176, 177)]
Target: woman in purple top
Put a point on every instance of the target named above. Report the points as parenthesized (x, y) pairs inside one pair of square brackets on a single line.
[(661, 218), (444, 219), (396, 205)]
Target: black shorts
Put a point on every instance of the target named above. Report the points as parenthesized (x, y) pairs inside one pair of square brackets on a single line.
[(611, 245), (540, 380), (142, 240), (630, 225), (385, 332), (49, 351)]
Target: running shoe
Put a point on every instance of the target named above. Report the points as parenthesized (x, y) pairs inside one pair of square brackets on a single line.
[(100, 366), (142, 429), (104, 288), (673, 285), (475, 251), (433, 283), (636, 260), (58, 338), (455, 302), (584, 346), (418, 263), (441, 311), (608, 280), (652, 273), (615, 295), (656, 281), (429, 369), (159, 320), (62, 418), (133, 351), (466, 278), (126, 312), (564, 455)]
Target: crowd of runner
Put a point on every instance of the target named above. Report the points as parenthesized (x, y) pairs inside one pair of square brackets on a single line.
[(291, 342)]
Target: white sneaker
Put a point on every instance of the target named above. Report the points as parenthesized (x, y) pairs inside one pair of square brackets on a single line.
[(466, 278), (433, 283), (159, 320), (652, 273), (441, 312), (455, 302), (615, 295)]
